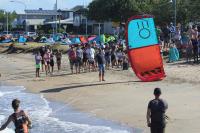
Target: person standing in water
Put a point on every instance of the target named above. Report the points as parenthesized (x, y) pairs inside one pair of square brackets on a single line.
[(38, 59), (20, 119), (156, 118)]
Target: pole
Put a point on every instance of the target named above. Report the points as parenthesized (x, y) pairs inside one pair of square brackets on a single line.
[(26, 24), (59, 20), (175, 14), (7, 23), (56, 15), (99, 29), (86, 28), (26, 15)]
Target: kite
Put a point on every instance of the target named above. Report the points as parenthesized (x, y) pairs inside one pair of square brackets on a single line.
[(143, 48)]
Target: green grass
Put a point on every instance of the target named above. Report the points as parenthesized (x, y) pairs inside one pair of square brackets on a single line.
[(33, 46)]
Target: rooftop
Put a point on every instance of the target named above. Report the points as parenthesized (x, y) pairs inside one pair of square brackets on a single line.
[(40, 11)]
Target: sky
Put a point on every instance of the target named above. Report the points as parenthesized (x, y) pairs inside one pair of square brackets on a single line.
[(36, 4)]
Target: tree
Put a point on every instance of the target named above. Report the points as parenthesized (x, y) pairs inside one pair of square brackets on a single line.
[(163, 10), (115, 10)]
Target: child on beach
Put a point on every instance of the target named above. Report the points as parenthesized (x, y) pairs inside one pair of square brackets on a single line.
[(38, 59), (19, 118)]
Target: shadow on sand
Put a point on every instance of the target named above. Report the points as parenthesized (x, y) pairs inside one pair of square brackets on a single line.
[(55, 90)]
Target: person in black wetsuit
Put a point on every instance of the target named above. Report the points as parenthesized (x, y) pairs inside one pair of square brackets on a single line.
[(20, 119), (156, 118)]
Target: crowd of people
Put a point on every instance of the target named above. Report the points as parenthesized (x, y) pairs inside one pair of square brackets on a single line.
[(84, 58), (180, 41)]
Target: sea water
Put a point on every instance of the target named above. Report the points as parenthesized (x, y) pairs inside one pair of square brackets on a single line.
[(52, 117)]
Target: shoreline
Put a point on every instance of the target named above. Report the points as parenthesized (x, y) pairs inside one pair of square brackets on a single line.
[(57, 113), (122, 98)]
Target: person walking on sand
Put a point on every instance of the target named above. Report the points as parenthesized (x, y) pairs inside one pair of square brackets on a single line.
[(38, 59), (58, 59), (156, 118), (20, 119), (101, 64)]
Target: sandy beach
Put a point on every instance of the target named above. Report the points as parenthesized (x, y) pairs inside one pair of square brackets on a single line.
[(122, 98)]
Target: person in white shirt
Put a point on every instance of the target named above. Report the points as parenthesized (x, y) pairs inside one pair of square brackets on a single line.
[(91, 55)]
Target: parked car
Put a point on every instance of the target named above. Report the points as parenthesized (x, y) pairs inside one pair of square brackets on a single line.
[(31, 34)]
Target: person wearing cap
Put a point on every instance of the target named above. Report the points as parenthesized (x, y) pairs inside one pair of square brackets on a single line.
[(156, 118), (20, 119)]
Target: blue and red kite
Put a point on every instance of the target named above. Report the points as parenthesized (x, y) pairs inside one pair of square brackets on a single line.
[(143, 48)]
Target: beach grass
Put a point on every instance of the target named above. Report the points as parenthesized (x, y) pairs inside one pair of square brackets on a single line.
[(31, 47)]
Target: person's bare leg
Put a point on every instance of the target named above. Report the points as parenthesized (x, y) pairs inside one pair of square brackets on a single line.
[(36, 73), (46, 69), (100, 78)]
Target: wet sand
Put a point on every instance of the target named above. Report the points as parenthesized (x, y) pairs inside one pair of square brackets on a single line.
[(122, 98)]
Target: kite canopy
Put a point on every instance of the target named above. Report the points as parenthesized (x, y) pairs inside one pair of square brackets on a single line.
[(22, 39), (110, 39), (143, 48), (83, 39), (103, 38), (97, 39), (75, 40)]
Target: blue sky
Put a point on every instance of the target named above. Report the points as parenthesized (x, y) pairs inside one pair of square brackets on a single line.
[(45, 4)]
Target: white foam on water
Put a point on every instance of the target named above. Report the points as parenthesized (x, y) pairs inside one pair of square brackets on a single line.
[(40, 112), (1, 94)]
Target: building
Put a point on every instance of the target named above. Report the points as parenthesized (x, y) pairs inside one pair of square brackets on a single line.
[(87, 26), (73, 20), (34, 18)]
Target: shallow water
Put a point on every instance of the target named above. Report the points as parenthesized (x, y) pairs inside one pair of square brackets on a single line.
[(52, 117)]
